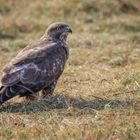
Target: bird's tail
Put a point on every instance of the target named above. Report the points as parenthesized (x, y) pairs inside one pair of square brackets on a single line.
[(6, 94)]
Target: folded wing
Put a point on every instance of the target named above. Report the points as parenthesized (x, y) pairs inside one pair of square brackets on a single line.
[(27, 65)]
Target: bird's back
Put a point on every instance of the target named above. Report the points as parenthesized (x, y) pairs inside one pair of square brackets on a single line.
[(47, 58)]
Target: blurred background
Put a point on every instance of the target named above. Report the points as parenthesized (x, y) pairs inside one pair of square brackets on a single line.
[(24, 18), (98, 94)]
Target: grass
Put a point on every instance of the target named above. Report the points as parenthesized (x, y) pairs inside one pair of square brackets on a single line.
[(98, 95)]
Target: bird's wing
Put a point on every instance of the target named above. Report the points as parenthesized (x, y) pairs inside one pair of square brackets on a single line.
[(32, 53), (26, 65)]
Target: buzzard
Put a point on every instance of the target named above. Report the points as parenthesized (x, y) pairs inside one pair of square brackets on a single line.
[(38, 66)]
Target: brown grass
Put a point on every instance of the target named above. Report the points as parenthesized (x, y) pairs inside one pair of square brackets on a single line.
[(98, 96)]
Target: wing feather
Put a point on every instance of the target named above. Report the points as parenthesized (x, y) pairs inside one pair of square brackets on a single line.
[(26, 67)]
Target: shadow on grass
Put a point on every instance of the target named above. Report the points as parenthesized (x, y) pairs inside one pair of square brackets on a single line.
[(63, 102)]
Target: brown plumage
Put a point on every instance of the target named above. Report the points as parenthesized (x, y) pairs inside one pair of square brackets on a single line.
[(38, 66)]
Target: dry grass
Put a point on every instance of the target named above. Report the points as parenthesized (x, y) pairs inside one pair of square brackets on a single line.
[(98, 96)]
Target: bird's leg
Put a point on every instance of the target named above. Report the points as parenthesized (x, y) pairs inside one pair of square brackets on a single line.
[(48, 91), (30, 97)]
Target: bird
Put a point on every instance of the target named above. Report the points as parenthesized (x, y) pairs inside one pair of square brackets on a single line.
[(38, 66)]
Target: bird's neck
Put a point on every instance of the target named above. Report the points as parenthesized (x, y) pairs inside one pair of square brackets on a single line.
[(49, 38), (45, 37), (62, 37)]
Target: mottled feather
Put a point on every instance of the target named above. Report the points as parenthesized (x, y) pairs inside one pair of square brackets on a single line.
[(38, 66)]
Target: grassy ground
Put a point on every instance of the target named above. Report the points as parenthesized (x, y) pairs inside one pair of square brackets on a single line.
[(98, 96)]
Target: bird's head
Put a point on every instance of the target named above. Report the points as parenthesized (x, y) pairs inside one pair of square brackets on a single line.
[(58, 30)]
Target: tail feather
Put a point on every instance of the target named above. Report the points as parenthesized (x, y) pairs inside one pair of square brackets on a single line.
[(1, 87), (6, 94)]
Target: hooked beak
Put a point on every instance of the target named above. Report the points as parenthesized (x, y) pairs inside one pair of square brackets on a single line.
[(68, 29)]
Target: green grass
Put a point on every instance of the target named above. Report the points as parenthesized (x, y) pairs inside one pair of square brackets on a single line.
[(98, 95)]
